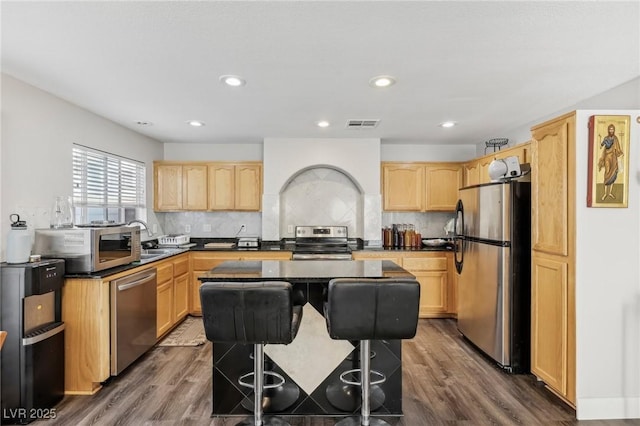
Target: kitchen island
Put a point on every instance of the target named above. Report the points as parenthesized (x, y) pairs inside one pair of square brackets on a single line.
[(313, 362)]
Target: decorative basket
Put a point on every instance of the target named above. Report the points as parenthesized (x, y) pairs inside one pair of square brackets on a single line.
[(495, 143), (173, 240)]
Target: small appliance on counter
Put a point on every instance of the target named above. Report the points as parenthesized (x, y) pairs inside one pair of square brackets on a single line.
[(248, 242), (90, 249)]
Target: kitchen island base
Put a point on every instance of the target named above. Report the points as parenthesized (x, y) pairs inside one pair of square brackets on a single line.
[(313, 362)]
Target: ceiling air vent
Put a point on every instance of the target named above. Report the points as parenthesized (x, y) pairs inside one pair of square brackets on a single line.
[(362, 124)]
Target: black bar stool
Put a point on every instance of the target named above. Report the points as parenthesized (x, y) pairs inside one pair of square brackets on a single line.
[(365, 310), (252, 313)]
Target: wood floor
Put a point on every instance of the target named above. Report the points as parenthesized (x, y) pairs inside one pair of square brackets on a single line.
[(446, 382)]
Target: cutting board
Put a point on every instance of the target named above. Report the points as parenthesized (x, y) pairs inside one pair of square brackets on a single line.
[(219, 245)]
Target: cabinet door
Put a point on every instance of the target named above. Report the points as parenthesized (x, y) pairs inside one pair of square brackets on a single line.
[(221, 186), (433, 293), (550, 194), (442, 184), (168, 187), (549, 322), (432, 273), (194, 187), (164, 316), (180, 297), (248, 187), (403, 187), (483, 169), (471, 173)]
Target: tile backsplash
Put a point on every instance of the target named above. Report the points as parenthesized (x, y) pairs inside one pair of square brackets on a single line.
[(321, 196)]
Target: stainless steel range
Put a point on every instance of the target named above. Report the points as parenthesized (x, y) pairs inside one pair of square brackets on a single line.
[(321, 243)]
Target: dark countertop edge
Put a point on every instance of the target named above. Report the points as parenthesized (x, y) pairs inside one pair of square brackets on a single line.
[(265, 246)]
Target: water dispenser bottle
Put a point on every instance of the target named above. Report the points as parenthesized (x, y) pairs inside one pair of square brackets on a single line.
[(18, 241)]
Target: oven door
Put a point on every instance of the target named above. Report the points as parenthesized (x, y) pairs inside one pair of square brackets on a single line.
[(321, 256)]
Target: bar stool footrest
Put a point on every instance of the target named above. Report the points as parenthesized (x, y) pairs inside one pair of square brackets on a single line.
[(243, 382), (382, 378)]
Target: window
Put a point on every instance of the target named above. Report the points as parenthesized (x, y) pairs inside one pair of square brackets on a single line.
[(107, 187)]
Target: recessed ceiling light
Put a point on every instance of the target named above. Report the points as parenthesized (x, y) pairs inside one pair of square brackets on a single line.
[(382, 81), (448, 124), (195, 123), (323, 123), (232, 80)]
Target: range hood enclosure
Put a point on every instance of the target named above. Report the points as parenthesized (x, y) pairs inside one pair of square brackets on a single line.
[(359, 159)]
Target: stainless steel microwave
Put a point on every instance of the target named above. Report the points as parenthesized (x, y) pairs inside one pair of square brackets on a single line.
[(89, 249)]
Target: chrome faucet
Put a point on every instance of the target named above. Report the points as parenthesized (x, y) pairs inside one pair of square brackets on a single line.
[(142, 222)]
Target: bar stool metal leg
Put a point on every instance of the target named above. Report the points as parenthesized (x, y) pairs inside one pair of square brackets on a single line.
[(258, 384), (365, 379)]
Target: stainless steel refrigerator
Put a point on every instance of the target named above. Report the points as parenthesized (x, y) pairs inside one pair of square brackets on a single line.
[(493, 260)]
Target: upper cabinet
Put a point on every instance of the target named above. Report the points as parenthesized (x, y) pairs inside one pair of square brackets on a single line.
[(476, 171), (420, 186), (235, 186), (442, 182), (193, 186), (179, 186), (402, 186)]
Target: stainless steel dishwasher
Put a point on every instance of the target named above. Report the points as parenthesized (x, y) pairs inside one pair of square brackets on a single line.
[(133, 318)]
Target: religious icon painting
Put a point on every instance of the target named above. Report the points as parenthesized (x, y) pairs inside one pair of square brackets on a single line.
[(608, 175)]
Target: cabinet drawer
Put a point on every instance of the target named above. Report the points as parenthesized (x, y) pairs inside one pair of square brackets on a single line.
[(181, 266), (425, 264), (164, 272)]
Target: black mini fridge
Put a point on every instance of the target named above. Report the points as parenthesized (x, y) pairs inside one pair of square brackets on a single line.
[(32, 358)]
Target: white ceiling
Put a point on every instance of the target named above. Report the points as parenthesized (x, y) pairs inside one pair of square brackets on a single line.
[(490, 66)]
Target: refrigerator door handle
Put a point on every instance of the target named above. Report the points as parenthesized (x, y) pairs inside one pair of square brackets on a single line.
[(458, 245)]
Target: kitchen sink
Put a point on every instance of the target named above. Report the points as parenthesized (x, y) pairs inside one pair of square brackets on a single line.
[(149, 255), (158, 251)]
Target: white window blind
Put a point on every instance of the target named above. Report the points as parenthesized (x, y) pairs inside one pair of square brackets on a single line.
[(106, 180)]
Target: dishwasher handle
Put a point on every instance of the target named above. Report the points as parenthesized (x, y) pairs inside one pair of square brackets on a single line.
[(135, 280)]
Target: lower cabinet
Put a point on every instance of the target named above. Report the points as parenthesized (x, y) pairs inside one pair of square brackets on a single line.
[(203, 261), (434, 271), (172, 292)]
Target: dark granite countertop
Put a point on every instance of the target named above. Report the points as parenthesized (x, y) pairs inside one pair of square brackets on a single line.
[(284, 245), (304, 270)]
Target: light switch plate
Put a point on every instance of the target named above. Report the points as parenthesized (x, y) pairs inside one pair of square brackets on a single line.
[(290, 229), (187, 228), (206, 227)]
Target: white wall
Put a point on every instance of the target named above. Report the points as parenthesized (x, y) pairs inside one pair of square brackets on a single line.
[(608, 289), (212, 152), (408, 152), (38, 131)]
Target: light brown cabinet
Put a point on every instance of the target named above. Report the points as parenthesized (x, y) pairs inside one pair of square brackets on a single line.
[(200, 186), (420, 186), (476, 171), (235, 186), (203, 261), (172, 276), (553, 339), (435, 273), (179, 186)]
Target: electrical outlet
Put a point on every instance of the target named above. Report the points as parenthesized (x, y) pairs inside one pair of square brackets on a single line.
[(187, 228), (290, 229), (206, 227), (243, 228), (155, 228)]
